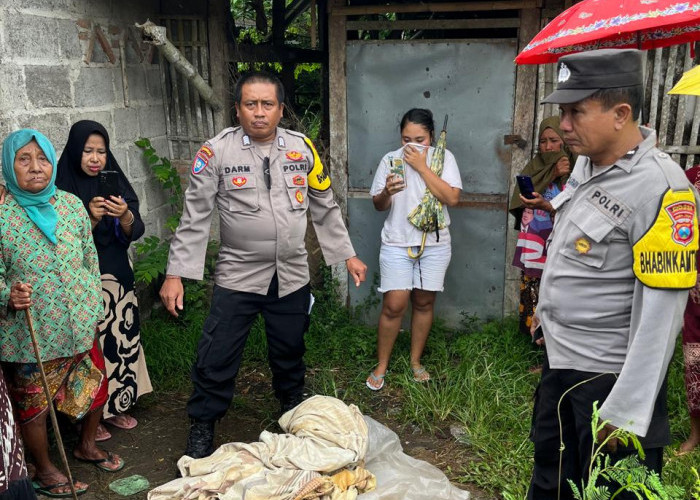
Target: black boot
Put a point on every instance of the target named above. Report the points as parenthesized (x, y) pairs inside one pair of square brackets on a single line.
[(200, 442), (290, 401)]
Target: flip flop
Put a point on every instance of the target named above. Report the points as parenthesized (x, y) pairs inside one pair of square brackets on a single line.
[(46, 490), (376, 378), (99, 462), (102, 434), (123, 421), (418, 374)]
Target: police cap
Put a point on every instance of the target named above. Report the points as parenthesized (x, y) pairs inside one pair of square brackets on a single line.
[(582, 75)]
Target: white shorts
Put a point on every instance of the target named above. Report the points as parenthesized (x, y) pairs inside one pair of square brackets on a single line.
[(401, 272)]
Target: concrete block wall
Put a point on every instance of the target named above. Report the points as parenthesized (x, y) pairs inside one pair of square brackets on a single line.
[(61, 63)]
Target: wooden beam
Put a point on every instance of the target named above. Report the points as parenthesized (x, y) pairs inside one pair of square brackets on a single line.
[(278, 25), (218, 60), (338, 113), (267, 53), (360, 10), (680, 150), (523, 125), (434, 24)]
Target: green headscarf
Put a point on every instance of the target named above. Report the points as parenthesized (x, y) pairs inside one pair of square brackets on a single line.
[(541, 166), (37, 205)]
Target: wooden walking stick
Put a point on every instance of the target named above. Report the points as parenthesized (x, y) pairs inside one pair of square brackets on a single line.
[(49, 402)]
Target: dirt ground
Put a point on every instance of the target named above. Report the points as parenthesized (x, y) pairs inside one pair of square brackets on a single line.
[(153, 448)]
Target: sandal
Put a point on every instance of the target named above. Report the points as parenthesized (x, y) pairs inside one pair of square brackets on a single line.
[(100, 462), (122, 421), (102, 434), (47, 490), (420, 374), (377, 379)]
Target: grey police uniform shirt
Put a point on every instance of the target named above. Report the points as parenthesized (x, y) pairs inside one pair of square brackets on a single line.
[(262, 231), (595, 314)]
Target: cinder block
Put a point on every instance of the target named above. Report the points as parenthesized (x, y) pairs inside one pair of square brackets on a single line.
[(152, 121), (69, 44), (48, 86), (55, 126), (138, 168), (156, 196), (31, 36), (153, 81), (119, 152), (12, 92), (94, 87), (102, 117), (126, 125), (138, 89)]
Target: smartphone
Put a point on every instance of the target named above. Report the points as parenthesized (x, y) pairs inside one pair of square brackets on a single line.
[(108, 184), (525, 186), (397, 168), (538, 334)]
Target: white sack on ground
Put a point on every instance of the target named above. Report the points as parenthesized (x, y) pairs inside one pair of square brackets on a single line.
[(325, 436), (399, 476)]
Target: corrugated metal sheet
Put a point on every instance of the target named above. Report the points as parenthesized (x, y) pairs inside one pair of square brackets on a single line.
[(473, 82)]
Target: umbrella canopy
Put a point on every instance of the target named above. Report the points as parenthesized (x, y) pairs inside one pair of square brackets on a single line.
[(689, 83), (605, 24), (429, 215)]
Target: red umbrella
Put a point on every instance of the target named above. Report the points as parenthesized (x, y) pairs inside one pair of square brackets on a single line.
[(604, 24)]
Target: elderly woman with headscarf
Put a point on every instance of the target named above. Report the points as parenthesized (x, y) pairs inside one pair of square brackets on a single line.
[(549, 170), (116, 222), (49, 263)]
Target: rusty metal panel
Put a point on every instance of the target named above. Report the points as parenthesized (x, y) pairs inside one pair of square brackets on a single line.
[(473, 81)]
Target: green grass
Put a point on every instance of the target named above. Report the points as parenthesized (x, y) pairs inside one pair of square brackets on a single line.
[(481, 385)]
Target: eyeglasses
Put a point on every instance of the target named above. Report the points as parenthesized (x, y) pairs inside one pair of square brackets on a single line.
[(266, 172)]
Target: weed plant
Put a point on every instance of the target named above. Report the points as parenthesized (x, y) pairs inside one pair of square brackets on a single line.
[(481, 385)]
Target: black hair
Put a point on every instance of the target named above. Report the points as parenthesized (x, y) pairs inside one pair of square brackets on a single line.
[(258, 77), (423, 117), (632, 95)]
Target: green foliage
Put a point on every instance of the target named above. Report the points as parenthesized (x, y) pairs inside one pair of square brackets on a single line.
[(626, 474), (152, 252), (695, 491)]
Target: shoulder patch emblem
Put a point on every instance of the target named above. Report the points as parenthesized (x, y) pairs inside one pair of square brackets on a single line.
[(299, 196), (681, 214), (239, 181), (582, 245), (665, 256), (298, 180), (294, 155), (201, 159)]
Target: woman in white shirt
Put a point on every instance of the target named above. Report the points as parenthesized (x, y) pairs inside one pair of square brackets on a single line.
[(403, 277)]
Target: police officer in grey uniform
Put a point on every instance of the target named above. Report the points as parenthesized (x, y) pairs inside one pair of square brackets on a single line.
[(262, 179), (617, 276)]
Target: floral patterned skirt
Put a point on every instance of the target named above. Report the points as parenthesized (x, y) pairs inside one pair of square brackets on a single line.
[(120, 337), (77, 385), (691, 351), (529, 296)]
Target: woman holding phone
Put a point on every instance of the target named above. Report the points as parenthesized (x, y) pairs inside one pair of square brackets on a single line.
[(399, 184), (88, 169), (548, 171)]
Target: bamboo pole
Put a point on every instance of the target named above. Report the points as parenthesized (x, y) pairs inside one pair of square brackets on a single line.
[(49, 402), (155, 35)]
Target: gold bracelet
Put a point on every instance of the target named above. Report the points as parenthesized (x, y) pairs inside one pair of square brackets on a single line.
[(131, 221)]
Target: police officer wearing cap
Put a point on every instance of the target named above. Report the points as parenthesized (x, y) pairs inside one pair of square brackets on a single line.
[(620, 263), (263, 179)]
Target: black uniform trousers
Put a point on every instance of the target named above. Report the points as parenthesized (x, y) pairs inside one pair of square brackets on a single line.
[(224, 336), (576, 412)]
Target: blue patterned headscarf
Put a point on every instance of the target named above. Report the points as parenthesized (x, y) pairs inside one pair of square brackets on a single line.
[(37, 205)]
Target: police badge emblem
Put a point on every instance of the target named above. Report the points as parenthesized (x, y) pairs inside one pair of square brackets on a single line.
[(681, 214), (564, 73), (294, 156), (299, 196), (298, 180), (239, 181)]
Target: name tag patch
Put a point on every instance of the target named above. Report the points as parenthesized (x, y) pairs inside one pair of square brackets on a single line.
[(295, 167), (608, 204), (236, 169)]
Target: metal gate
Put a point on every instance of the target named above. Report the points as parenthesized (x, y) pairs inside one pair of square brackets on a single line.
[(473, 82)]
